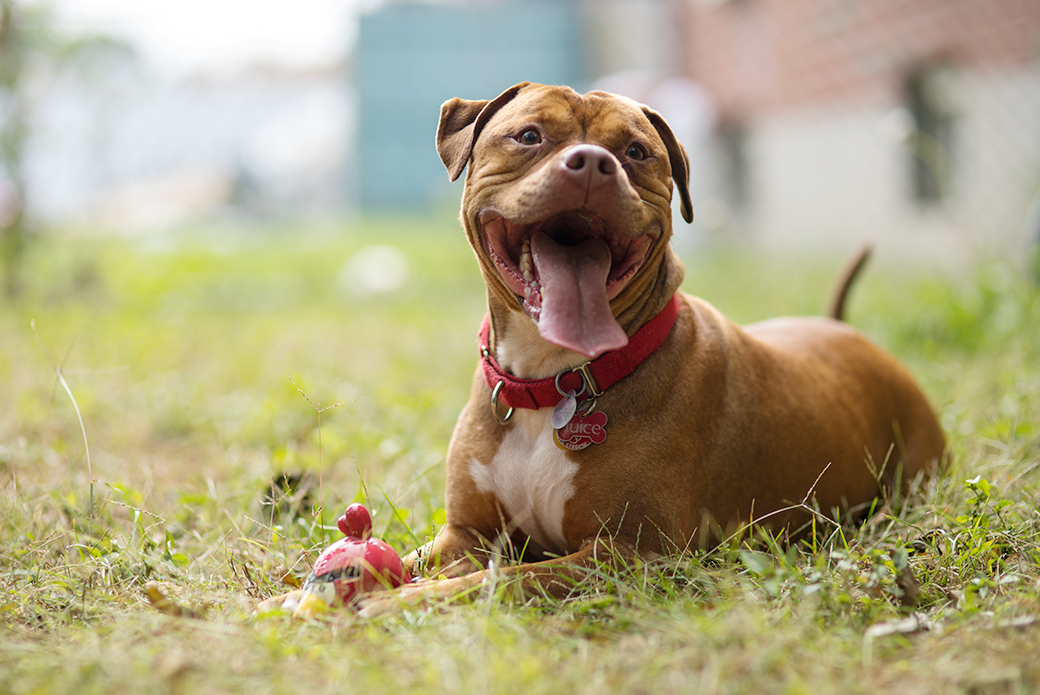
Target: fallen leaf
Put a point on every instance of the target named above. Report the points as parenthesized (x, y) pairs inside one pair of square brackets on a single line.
[(166, 605)]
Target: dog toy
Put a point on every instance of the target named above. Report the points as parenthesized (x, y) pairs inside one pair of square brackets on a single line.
[(349, 567)]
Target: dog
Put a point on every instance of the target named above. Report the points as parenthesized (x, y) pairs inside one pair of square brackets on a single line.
[(611, 415)]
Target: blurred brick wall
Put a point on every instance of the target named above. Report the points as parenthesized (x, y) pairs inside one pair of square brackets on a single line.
[(759, 56), (912, 122)]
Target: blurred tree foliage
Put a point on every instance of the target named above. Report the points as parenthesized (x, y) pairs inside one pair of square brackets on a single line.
[(32, 54), (18, 33)]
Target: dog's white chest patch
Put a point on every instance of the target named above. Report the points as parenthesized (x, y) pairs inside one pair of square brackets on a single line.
[(532, 478)]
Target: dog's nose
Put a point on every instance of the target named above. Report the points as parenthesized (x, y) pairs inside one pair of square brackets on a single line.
[(590, 158)]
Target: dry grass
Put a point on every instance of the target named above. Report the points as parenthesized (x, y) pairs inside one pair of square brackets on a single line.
[(180, 362)]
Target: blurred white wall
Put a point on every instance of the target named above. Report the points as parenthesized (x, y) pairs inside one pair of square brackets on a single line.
[(129, 151), (827, 177)]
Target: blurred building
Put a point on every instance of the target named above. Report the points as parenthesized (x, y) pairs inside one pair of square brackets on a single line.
[(119, 151), (413, 56), (914, 121)]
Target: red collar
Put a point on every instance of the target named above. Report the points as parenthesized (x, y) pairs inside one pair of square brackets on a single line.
[(603, 372)]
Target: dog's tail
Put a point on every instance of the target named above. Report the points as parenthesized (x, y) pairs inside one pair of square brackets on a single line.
[(845, 280)]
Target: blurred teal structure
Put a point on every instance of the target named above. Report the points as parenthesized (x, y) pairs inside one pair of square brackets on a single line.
[(412, 57)]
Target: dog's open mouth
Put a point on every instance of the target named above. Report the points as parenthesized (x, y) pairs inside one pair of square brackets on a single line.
[(565, 270)]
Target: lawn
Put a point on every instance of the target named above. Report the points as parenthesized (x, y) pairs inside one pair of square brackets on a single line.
[(199, 364)]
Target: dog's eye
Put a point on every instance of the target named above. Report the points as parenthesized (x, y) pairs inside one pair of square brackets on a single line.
[(530, 137), (636, 151)]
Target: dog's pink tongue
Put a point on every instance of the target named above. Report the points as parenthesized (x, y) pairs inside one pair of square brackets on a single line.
[(575, 310)]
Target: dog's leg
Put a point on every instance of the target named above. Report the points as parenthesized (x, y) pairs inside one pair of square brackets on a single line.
[(456, 551), (557, 577)]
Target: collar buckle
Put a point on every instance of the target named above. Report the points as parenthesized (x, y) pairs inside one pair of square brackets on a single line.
[(586, 376)]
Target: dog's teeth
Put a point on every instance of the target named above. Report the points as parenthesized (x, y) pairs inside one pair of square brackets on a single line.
[(528, 276), (525, 261)]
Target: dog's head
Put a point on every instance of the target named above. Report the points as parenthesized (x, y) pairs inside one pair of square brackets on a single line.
[(568, 206)]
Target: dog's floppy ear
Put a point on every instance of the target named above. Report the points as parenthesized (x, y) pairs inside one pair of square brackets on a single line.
[(460, 126), (677, 157), (455, 133)]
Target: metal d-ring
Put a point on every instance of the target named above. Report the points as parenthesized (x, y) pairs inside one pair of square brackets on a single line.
[(494, 404), (583, 411), (584, 384)]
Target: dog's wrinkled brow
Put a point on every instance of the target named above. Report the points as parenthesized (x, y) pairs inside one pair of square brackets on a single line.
[(590, 116), (565, 113)]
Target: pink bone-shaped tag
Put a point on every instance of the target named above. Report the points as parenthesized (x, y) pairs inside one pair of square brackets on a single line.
[(581, 432)]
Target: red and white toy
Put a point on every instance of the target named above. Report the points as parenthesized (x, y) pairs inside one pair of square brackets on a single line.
[(348, 567)]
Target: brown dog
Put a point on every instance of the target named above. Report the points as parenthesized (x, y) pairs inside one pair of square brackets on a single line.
[(610, 411)]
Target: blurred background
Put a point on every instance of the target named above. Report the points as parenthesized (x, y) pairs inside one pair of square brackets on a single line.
[(809, 123)]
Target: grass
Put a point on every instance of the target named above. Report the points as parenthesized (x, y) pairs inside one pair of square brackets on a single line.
[(180, 358)]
